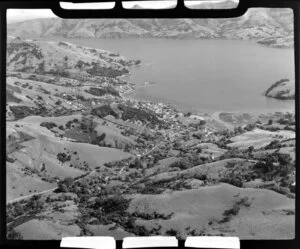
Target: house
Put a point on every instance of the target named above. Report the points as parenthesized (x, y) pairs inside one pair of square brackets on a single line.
[(196, 117)]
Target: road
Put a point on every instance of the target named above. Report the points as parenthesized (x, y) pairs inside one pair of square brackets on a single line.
[(142, 130), (53, 189), (31, 195), (154, 148)]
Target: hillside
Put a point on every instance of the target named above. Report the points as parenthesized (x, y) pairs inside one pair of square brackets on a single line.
[(272, 27), (83, 160), (282, 89), (226, 4), (63, 58)]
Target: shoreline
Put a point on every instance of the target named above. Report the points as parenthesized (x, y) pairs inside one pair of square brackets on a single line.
[(214, 116), (195, 110), (254, 41)]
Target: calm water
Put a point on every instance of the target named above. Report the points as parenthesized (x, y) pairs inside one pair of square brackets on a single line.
[(205, 75)]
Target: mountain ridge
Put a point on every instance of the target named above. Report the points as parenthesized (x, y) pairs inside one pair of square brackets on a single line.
[(258, 24)]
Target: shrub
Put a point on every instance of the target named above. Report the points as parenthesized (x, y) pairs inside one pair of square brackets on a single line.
[(10, 159), (229, 213), (21, 111), (249, 127), (12, 234), (138, 114), (182, 164), (171, 232), (103, 91), (63, 157), (48, 125), (103, 111), (273, 145)]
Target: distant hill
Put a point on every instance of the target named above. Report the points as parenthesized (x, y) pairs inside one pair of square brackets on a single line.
[(256, 24), (215, 5)]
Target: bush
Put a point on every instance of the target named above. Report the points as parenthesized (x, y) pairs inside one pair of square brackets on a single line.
[(10, 159), (65, 185), (182, 164), (103, 91), (98, 139), (229, 213), (171, 232), (249, 127), (273, 145), (98, 70), (111, 204), (235, 181), (270, 122), (63, 157), (21, 111), (48, 125), (138, 114), (104, 111), (13, 234)]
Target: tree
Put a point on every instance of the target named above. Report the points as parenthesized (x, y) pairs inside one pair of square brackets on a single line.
[(202, 122), (249, 127), (284, 159), (69, 181), (250, 149), (270, 122), (273, 145), (137, 163), (66, 184), (18, 209), (62, 187), (238, 129)]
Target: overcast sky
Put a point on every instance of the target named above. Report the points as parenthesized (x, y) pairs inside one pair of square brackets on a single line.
[(15, 15)]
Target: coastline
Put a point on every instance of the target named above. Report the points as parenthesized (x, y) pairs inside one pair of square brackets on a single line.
[(213, 117)]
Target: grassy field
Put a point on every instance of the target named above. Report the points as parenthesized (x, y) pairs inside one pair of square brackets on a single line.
[(203, 209), (259, 138)]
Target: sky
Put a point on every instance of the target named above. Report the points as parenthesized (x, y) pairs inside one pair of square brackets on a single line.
[(16, 15)]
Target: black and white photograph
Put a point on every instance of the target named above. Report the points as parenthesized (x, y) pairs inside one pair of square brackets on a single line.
[(151, 126)]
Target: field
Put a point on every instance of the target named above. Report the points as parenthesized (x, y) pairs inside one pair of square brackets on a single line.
[(259, 138), (202, 210)]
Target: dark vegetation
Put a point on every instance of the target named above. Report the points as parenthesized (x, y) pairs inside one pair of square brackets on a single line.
[(11, 98), (131, 113), (20, 112), (98, 70), (103, 111), (48, 125), (84, 131), (63, 157), (103, 91)]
